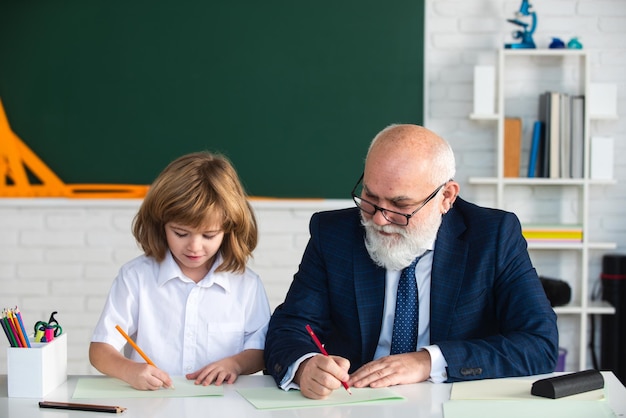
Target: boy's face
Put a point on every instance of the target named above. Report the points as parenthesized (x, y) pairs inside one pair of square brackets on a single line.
[(194, 249)]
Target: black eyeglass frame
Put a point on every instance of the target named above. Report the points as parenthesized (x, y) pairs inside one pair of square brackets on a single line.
[(407, 216)]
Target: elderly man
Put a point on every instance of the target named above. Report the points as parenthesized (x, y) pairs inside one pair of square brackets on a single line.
[(413, 284)]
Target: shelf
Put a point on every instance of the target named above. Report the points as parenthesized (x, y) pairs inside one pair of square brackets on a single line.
[(558, 53), (594, 307), (520, 82), (571, 245), (490, 117), (538, 181), (598, 116)]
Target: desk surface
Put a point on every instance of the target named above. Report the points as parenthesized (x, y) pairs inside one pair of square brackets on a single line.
[(422, 400)]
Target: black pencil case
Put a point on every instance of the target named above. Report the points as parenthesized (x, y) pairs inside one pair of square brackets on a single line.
[(568, 384)]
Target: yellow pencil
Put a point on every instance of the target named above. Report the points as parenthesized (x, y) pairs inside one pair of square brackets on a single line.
[(135, 346)]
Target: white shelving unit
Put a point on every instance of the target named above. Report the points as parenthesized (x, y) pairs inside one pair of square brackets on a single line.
[(523, 74)]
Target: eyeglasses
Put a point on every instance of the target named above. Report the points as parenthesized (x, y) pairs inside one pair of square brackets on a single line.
[(392, 216)]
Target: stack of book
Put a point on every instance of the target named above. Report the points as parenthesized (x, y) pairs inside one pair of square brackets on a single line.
[(552, 233), (556, 149)]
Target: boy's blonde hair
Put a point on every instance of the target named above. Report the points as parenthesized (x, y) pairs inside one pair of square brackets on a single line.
[(196, 190)]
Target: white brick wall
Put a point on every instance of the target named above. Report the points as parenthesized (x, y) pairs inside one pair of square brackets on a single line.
[(63, 254)]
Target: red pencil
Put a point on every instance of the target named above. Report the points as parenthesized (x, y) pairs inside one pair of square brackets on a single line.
[(323, 350)]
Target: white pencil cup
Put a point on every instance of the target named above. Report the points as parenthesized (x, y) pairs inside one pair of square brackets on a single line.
[(36, 371)]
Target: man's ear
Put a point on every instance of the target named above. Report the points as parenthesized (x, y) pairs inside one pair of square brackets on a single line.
[(450, 192)]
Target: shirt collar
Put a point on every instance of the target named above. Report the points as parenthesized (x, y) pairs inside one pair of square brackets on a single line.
[(169, 270)]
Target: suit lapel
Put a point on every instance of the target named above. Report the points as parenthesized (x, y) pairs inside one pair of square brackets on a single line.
[(449, 261), (369, 288)]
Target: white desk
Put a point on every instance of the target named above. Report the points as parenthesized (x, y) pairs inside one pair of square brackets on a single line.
[(422, 400)]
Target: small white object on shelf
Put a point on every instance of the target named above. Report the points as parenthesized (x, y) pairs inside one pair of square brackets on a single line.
[(601, 158), (602, 101), (484, 90)]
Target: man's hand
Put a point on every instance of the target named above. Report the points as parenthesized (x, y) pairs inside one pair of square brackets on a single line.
[(319, 375), (398, 369)]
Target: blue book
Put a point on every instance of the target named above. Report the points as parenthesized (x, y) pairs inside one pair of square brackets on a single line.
[(535, 145)]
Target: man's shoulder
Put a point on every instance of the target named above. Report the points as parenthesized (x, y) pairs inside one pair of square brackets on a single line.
[(328, 225), (341, 214), (337, 218), (472, 218), (472, 210)]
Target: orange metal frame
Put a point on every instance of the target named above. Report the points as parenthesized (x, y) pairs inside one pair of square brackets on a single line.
[(16, 157)]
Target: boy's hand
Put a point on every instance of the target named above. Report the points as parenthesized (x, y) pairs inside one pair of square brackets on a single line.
[(225, 370), (143, 376)]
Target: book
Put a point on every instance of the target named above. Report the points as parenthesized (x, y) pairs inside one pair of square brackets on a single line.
[(543, 154), (554, 136), (552, 233), (565, 139), (535, 145), (551, 227), (512, 146), (578, 135)]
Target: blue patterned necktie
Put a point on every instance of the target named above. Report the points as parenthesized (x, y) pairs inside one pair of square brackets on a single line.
[(404, 338)]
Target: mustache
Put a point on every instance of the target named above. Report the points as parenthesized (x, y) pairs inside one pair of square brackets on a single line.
[(389, 229)]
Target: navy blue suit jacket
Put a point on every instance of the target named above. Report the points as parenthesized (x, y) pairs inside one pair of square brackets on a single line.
[(489, 313)]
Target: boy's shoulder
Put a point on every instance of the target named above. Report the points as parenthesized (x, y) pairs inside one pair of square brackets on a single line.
[(141, 264)]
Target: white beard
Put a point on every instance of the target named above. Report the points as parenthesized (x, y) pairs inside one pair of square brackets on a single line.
[(397, 251)]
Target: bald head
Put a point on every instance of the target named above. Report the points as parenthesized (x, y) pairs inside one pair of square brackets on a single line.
[(411, 151)]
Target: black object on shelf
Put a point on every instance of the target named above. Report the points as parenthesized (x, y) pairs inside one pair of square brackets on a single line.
[(613, 340), (558, 291)]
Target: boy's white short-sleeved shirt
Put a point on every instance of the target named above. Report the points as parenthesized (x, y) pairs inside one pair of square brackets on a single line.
[(181, 325)]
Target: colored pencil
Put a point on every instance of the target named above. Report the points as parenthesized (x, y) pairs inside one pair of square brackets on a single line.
[(5, 322), (16, 335), (21, 323), (18, 329), (323, 350), (135, 346), (6, 332), (81, 407)]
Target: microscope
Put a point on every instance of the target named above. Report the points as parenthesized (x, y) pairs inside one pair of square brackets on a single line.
[(525, 34)]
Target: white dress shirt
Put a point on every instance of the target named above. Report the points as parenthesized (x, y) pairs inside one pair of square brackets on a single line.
[(181, 325), (422, 276)]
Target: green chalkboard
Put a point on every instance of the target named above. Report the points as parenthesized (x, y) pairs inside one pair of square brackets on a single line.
[(291, 91)]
